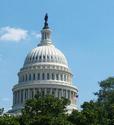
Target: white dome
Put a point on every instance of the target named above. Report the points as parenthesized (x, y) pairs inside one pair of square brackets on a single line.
[(45, 71), (45, 53)]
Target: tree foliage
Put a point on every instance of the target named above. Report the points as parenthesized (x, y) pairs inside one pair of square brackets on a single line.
[(48, 110), (45, 110), (8, 120), (99, 112)]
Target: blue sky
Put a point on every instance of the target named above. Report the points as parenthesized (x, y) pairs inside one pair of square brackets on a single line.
[(82, 29)]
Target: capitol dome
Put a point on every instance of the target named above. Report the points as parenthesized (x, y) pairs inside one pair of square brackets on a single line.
[(45, 54), (45, 71)]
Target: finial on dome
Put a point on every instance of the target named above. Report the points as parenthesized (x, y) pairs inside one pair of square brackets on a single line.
[(46, 21)]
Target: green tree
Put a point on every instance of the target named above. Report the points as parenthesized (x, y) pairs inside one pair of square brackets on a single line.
[(99, 112), (106, 99), (8, 120), (45, 110)]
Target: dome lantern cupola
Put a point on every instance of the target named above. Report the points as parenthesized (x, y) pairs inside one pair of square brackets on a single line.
[(46, 33)]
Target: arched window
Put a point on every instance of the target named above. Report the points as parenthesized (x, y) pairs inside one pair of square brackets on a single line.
[(53, 76), (38, 76), (64, 77), (36, 57), (57, 77), (34, 76), (61, 77), (47, 76), (43, 76), (23, 79), (26, 77), (29, 76)]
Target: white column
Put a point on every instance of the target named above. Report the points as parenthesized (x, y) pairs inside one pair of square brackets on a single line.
[(50, 91), (56, 92), (28, 95), (58, 76), (34, 92), (62, 92), (23, 95), (19, 96), (13, 98)]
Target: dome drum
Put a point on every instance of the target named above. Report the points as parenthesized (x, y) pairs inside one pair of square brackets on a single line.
[(21, 93)]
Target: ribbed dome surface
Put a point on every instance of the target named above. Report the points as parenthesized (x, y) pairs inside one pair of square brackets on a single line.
[(45, 53)]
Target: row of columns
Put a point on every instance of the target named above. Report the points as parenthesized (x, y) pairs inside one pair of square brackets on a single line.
[(20, 96), (44, 76)]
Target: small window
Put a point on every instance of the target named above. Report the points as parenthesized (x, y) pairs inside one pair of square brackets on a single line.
[(47, 76), (57, 77), (43, 76), (26, 77), (53, 76), (40, 57), (36, 57), (29, 76), (64, 77), (38, 76), (61, 77), (23, 79), (33, 76)]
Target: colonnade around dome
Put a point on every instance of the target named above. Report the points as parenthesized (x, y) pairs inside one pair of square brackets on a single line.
[(56, 76), (21, 95)]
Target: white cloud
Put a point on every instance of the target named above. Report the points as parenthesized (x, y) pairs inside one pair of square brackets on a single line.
[(13, 34), (37, 35)]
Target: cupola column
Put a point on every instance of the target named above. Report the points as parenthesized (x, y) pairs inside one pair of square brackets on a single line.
[(45, 33)]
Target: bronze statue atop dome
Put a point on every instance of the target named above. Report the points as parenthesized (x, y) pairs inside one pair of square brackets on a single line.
[(46, 22)]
